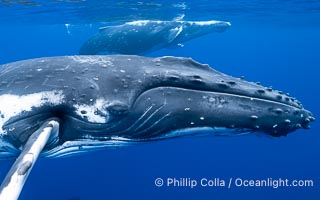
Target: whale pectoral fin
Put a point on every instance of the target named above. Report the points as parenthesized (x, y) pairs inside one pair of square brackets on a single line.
[(103, 28), (174, 33), (13, 183)]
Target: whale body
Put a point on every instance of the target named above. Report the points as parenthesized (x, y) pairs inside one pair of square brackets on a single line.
[(109, 101), (62, 106), (140, 37)]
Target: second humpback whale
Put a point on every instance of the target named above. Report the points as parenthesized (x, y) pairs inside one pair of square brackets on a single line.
[(61, 106), (139, 37)]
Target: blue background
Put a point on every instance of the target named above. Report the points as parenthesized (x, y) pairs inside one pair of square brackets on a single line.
[(281, 49)]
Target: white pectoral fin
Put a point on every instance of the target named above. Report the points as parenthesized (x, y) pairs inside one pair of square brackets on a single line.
[(13, 183), (103, 28), (174, 33)]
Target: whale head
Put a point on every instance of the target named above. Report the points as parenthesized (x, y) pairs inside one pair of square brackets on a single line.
[(110, 101)]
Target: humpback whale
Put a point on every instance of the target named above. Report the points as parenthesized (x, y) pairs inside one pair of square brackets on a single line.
[(140, 37), (60, 106)]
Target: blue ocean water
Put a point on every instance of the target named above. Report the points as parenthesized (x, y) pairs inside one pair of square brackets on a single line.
[(274, 42)]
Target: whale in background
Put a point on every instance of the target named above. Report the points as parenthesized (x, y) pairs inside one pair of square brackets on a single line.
[(140, 37)]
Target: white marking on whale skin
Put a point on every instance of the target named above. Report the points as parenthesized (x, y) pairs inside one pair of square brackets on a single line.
[(143, 22), (174, 33), (103, 61), (13, 105), (207, 23), (199, 23), (93, 112)]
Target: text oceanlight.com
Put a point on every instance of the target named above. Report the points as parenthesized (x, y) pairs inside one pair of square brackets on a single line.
[(232, 182)]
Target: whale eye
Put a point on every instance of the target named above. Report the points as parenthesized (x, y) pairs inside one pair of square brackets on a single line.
[(118, 109)]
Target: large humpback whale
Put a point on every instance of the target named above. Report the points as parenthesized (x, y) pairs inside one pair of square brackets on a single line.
[(60, 106), (139, 37)]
